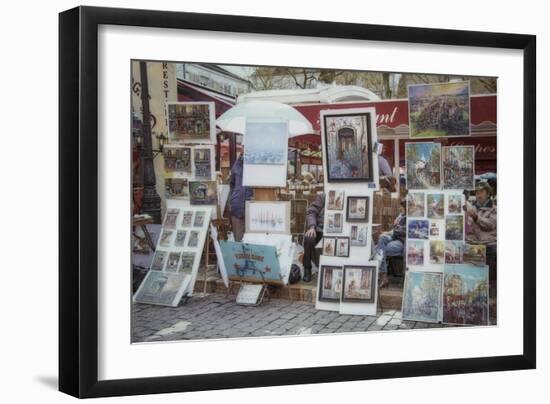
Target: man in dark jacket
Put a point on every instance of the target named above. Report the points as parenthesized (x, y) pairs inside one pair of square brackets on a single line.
[(315, 216), (238, 195), (392, 243)]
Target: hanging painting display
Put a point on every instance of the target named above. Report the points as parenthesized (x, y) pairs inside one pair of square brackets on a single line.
[(439, 109)]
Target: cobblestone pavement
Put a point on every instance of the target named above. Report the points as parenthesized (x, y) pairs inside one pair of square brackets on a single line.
[(218, 316)]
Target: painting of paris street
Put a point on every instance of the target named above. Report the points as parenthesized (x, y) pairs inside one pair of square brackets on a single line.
[(348, 147), (423, 165), (422, 296), (465, 294)]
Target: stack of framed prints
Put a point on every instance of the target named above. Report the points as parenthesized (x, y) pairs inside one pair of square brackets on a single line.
[(265, 152), (177, 256), (347, 281)]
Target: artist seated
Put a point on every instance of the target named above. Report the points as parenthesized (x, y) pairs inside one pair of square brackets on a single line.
[(481, 227), (315, 216), (391, 243)]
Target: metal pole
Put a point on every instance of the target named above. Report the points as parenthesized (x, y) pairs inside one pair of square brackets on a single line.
[(151, 199)]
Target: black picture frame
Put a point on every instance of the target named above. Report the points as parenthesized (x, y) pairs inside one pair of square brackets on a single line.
[(78, 201), (372, 276), (322, 272), (368, 178), (367, 207), (336, 246)]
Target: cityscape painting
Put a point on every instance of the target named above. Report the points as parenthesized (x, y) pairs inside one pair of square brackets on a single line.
[(422, 296), (465, 294), (423, 165), (439, 109)]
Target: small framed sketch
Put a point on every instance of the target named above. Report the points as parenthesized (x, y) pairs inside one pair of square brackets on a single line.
[(335, 200), (358, 209), (173, 260), (267, 217), (193, 240), (199, 219), (180, 238), (166, 238), (334, 222), (358, 235), (330, 285), (187, 218), (187, 261), (159, 259), (171, 218), (359, 283)]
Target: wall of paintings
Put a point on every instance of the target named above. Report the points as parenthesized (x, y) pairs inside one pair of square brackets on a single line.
[(446, 279), (179, 250), (347, 280)]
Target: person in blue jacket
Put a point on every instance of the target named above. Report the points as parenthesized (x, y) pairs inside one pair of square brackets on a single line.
[(238, 196)]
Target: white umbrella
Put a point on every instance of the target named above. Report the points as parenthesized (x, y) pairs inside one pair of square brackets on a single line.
[(234, 119)]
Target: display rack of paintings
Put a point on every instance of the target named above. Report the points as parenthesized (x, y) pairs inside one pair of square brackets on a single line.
[(191, 122), (177, 255), (350, 164), (439, 109), (265, 152)]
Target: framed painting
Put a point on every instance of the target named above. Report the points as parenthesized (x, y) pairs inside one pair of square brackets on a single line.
[(348, 150), (357, 209), (331, 283), (359, 284), (98, 70)]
